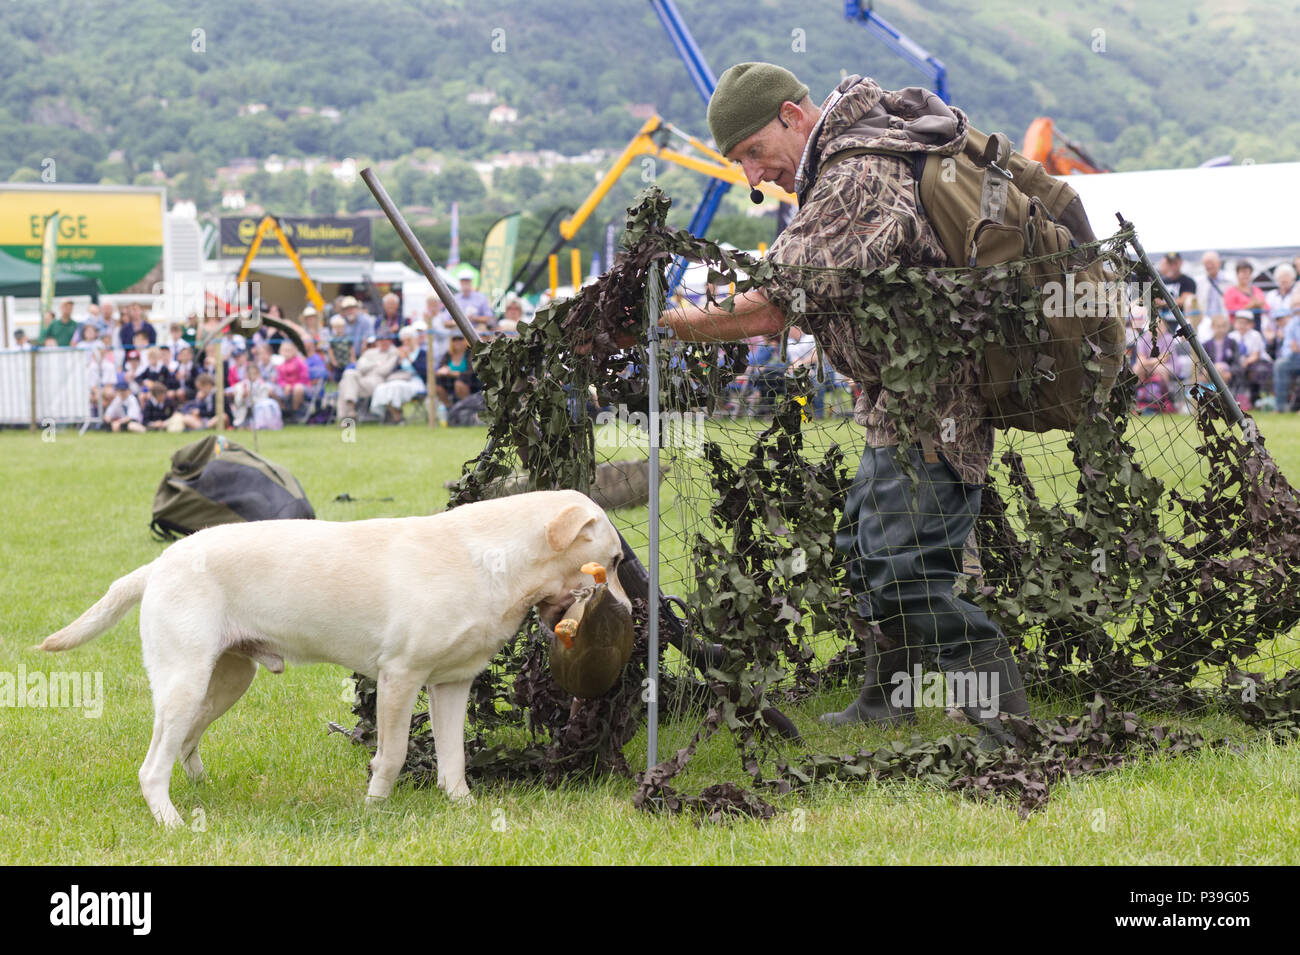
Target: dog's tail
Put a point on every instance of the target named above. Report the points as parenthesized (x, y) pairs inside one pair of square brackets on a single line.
[(123, 594)]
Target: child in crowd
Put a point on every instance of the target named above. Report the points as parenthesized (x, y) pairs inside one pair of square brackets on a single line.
[(184, 372), (254, 404), (123, 413), (158, 408), (292, 378), (340, 354)]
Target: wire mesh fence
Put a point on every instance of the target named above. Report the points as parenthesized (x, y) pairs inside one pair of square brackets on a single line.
[(826, 593)]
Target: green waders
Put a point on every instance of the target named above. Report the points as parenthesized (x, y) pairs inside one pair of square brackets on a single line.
[(904, 555)]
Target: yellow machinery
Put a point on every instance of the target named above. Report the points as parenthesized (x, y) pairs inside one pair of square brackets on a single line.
[(272, 224), (652, 140)]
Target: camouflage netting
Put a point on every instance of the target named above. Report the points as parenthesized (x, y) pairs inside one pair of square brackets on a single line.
[(1145, 564)]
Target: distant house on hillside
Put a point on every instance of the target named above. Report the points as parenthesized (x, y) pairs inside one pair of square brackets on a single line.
[(480, 97), (345, 171), (252, 109), (330, 113), (503, 114), (233, 199)]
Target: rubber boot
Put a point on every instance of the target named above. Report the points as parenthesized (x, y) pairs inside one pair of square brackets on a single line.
[(994, 668), (884, 656)]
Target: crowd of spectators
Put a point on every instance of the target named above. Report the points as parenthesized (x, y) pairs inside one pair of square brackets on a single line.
[(1251, 337), (359, 364), (355, 364)]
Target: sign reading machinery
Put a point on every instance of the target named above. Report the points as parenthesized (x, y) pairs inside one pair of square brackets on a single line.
[(111, 233), (314, 237)]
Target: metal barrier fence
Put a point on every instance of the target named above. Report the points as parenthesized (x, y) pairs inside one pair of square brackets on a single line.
[(44, 386)]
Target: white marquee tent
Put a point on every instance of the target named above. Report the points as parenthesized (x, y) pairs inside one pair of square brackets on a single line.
[(1250, 210)]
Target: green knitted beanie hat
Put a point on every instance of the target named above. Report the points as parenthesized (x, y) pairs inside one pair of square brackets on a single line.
[(747, 98)]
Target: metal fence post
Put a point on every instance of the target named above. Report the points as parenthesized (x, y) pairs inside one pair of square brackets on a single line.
[(653, 308)]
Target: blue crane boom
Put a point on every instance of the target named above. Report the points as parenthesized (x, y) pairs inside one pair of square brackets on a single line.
[(907, 48)]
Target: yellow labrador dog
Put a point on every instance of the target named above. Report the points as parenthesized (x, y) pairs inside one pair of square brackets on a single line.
[(410, 602)]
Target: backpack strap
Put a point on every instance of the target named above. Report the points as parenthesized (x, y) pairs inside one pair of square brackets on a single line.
[(994, 159)]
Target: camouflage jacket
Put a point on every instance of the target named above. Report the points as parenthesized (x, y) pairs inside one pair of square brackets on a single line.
[(862, 214)]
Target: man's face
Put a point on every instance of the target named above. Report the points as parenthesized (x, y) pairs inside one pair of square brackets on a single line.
[(772, 154), (350, 314), (1211, 263), (466, 286), (390, 306), (65, 311)]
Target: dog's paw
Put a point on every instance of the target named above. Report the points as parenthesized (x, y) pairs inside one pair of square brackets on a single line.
[(169, 818), (375, 802), (459, 793)]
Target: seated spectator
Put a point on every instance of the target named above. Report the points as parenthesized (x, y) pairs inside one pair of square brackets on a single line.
[(511, 316), (158, 409), (1245, 296), (201, 412), (139, 349), (136, 325), (1183, 287), (801, 350), (1255, 370), (454, 379), (176, 333), (20, 340), (1287, 366), (87, 336), (123, 413), (1222, 349), (405, 382), (1285, 297), (102, 374), (474, 304), (254, 406), (767, 373), (1154, 365), (95, 318), (309, 321), (1211, 289), (155, 368), (264, 358), (237, 368), (62, 329), (358, 326), (341, 354), (317, 370), (374, 365), (184, 371), (130, 365), (292, 378), (440, 324), (390, 319)]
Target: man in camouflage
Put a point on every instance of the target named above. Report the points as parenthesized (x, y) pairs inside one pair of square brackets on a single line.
[(904, 551)]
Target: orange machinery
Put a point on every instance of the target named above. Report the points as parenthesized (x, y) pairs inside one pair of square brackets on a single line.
[(1069, 157)]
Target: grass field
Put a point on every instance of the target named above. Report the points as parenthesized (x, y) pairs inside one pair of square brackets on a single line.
[(76, 512)]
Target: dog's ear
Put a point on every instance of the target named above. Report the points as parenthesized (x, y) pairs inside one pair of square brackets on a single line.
[(564, 527)]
